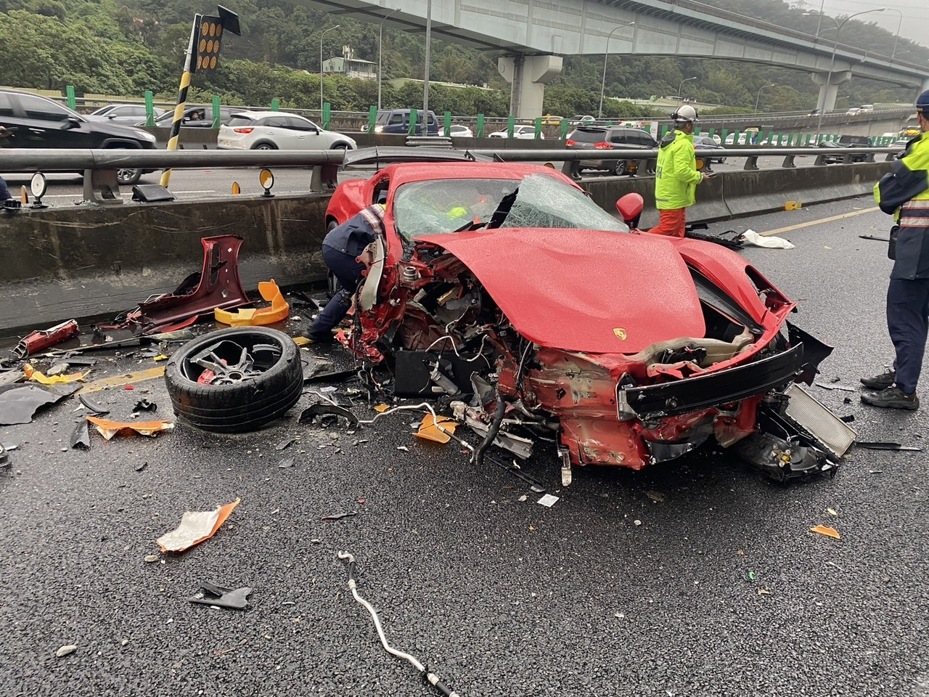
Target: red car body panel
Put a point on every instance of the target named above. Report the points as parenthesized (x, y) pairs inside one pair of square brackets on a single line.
[(564, 289)]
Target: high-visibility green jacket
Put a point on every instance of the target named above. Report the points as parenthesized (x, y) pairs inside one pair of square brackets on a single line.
[(676, 175), (904, 192)]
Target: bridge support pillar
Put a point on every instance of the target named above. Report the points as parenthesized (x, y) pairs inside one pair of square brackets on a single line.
[(528, 75), (829, 88)]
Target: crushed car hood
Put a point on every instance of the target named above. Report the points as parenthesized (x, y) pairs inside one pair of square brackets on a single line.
[(582, 290)]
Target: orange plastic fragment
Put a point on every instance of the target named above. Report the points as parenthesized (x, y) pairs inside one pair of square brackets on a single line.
[(251, 316), (437, 430), (108, 428), (195, 527), (826, 531), (34, 375)]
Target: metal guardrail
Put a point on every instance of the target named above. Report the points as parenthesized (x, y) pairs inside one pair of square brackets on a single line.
[(100, 166)]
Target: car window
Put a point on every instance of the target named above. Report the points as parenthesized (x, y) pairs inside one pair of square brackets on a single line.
[(396, 119), (6, 106), (448, 205), (588, 135), (275, 122), (241, 121), (301, 124), (44, 109)]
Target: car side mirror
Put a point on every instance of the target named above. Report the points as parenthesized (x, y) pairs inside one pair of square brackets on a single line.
[(630, 208), (70, 123)]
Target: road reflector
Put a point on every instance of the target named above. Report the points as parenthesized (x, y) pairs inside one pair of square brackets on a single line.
[(793, 205)]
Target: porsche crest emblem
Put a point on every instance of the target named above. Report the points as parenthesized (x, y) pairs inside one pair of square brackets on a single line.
[(619, 333)]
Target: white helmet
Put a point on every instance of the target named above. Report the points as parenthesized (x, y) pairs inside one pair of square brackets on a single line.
[(685, 113)]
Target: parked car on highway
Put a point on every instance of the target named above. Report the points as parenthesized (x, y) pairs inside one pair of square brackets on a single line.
[(459, 131), (539, 317), (195, 117), (551, 120), (37, 122), (521, 132), (853, 111), (398, 121), (583, 120), (275, 130), (708, 143), (847, 141), (600, 138), (123, 113)]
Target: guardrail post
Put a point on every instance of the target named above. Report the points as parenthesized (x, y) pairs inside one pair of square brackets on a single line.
[(479, 126), (448, 125), (327, 114), (565, 127), (149, 108), (788, 162), (411, 131), (751, 163), (70, 96), (510, 125), (538, 127), (101, 187), (216, 112), (372, 118), (275, 104)]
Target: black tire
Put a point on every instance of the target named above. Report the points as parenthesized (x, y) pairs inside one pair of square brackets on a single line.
[(239, 406), (619, 167), (264, 146), (341, 146)]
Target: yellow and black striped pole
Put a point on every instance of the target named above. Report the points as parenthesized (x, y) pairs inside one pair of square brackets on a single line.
[(189, 62)]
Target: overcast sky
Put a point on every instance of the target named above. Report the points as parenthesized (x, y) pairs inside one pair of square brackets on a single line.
[(915, 15)]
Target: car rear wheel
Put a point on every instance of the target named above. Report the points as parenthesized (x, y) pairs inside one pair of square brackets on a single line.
[(235, 380), (340, 146), (619, 167), (264, 146)]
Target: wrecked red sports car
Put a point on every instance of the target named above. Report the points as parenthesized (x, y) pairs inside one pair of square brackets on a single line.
[(504, 288)]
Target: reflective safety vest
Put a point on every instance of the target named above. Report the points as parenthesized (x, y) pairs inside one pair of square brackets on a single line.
[(676, 176), (904, 193)]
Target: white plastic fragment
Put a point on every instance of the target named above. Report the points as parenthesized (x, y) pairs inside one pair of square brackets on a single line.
[(548, 500), (65, 650), (752, 238)]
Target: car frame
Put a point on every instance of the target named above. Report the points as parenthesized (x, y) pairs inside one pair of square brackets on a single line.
[(533, 329), (278, 130), (38, 122), (707, 142)]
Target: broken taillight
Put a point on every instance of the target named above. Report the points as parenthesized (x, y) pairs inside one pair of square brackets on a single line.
[(603, 145), (243, 131)]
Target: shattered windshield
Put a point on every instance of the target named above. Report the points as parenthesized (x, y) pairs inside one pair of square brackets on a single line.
[(453, 205)]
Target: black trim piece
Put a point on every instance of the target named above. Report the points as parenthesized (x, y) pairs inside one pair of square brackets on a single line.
[(703, 391)]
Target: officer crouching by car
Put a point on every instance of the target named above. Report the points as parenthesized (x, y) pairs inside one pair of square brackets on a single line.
[(341, 248)]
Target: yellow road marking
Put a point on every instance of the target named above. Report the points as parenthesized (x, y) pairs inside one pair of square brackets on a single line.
[(810, 223), (124, 379)]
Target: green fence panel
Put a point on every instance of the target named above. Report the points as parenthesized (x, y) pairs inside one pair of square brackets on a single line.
[(70, 96), (327, 114), (372, 118), (565, 127), (448, 124), (149, 108), (413, 118), (275, 104), (538, 127), (216, 112), (510, 125), (480, 126)]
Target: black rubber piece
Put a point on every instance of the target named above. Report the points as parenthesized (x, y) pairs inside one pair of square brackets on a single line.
[(242, 406)]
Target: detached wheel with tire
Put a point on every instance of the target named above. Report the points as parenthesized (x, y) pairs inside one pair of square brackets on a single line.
[(235, 380)]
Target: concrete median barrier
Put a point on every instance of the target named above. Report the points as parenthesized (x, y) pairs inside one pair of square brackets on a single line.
[(60, 263)]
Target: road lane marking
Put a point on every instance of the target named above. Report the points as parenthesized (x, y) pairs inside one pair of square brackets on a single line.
[(809, 223)]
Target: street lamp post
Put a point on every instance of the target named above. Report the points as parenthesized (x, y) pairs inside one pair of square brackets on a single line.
[(606, 53), (893, 53), (835, 45), (680, 87), (321, 34), (758, 96), (380, 45)]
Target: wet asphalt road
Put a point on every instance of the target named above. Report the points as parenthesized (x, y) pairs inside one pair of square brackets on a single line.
[(721, 590)]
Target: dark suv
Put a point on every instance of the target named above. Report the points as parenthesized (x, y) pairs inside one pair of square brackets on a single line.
[(848, 142), (398, 121), (599, 138), (37, 122)]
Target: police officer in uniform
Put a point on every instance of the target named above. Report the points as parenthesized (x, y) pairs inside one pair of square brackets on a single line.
[(341, 247), (676, 174), (904, 193)]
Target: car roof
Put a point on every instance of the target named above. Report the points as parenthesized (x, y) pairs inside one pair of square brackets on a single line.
[(406, 173)]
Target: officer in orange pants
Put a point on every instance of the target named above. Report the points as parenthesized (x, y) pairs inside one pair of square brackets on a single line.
[(676, 176)]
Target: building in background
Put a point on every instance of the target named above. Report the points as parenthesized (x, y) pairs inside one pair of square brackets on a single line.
[(350, 66)]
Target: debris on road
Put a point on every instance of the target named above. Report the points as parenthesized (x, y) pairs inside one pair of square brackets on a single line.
[(437, 429), (286, 463), (753, 239), (831, 511), (833, 386), (20, 403), (144, 405), (427, 674), (90, 406), (65, 650), (217, 596), (251, 317), (887, 445), (41, 339), (327, 415), (108, 429), (34, 375), (151, 558), (826, 531), (5, 461), (548, 500), (80, 436), (339, 516), (128, 380), (195, 527)]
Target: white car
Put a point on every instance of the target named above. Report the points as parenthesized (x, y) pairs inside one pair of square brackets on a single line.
[(275, 130), (457, 131), (522, 132), (122, 113)]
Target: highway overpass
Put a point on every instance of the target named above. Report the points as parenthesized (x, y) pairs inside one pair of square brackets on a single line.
[(533, 36)]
